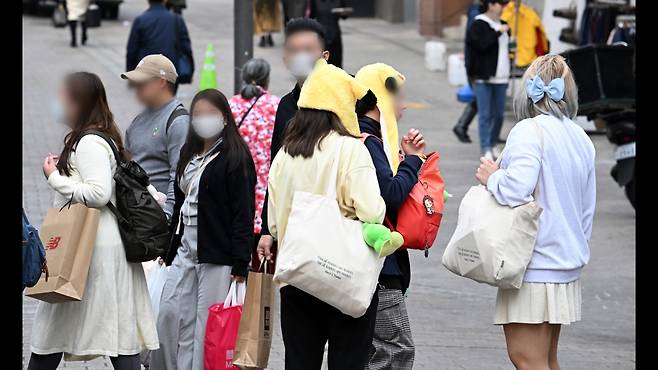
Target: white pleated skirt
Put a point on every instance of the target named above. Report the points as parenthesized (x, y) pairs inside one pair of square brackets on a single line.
[(536, 303)]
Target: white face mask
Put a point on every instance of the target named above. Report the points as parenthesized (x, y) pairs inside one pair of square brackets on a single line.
[(301, 65), (57, 111), (208, 126)]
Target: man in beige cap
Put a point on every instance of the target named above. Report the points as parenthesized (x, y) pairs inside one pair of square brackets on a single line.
[(156, 135)]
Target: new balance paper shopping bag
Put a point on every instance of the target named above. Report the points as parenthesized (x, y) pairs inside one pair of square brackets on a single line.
[(222, 330), (255, 334), (69, 236), (323, 253)]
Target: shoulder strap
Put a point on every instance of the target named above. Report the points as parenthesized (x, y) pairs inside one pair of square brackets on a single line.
[(178, 111), (249, 110), (107, 139), (540, 133), (331, 191), (177, 34)]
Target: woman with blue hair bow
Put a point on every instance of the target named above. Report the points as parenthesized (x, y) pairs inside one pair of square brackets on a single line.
[(550, 158)]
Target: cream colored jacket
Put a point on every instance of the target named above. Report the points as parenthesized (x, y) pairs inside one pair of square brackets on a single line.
[(357, 187)]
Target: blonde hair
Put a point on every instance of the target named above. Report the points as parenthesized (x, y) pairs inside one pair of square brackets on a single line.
[(547, 67)]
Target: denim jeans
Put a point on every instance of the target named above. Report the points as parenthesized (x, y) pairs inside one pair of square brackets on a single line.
[(491, 108)]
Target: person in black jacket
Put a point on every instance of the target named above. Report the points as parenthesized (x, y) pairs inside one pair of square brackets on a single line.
[(489, 67), (461, 128), (212, 230), (325, 12), (392, 345), (304, 44)]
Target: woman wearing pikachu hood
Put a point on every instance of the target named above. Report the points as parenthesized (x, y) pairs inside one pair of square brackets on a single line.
[(325, 128), (392, 345)]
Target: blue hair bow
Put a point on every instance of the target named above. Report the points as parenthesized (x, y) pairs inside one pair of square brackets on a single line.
[(535, 88)]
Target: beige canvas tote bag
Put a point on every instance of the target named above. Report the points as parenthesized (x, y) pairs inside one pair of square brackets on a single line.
[(493, 243), (323, 252)]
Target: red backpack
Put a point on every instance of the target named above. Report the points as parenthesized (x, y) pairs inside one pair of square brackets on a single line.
[(420, 214)]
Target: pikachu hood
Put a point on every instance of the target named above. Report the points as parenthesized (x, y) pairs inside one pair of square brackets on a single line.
[(332, 89), (373, 76)]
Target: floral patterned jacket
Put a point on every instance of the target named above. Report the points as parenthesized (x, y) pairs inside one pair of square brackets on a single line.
[(256, 130)]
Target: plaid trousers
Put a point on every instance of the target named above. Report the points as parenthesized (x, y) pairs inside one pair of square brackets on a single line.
[(392, 346)]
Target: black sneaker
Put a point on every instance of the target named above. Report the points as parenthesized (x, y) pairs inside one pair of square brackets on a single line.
[(461, 134)]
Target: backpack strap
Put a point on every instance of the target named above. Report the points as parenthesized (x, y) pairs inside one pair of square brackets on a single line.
[(365, 136), (178, 111)]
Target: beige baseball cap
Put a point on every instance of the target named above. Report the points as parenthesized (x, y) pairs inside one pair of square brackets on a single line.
[(152, 66)]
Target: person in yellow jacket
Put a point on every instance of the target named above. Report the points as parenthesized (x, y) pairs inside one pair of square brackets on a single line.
[(531, 40), (326, 121)]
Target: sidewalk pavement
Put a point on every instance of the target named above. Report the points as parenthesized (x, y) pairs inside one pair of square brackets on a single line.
[(450, 316)]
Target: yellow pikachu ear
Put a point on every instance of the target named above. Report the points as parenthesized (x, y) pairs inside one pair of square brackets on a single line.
[(358, 89)]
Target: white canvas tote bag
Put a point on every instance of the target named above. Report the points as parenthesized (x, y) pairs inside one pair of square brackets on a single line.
[(493, 243), (323, 252)]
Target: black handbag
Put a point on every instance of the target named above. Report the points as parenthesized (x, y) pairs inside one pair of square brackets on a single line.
[(93, 16), (143, 224)]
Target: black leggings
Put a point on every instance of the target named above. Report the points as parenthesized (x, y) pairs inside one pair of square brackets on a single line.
[(73, 26), (52, 360)]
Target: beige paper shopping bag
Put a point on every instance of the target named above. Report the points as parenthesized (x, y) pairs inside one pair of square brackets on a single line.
[(69, 236), (252, 349)]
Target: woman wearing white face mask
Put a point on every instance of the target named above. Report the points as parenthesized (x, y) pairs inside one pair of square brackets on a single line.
[(213, 230)]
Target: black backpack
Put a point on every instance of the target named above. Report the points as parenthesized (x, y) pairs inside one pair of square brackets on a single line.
[(142, 222)]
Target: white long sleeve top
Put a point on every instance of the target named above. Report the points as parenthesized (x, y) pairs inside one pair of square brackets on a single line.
[(565, 173)]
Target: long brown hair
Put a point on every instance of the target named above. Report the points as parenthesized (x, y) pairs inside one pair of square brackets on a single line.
[(87, 92), (307, 129), (233, 146)]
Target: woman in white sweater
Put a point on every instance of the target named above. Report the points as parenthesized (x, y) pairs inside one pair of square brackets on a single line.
[(548, 151), (114, 317)]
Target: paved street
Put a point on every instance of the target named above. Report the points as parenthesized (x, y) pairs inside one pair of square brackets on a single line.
[(450, 316)]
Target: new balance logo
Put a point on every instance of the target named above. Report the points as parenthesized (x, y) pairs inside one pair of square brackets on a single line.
[(53, 242)]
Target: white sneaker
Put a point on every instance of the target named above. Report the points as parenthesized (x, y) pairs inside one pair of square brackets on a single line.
[(488, 155)]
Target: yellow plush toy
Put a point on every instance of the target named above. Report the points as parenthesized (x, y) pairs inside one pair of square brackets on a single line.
[(330, 88), (373, 76)]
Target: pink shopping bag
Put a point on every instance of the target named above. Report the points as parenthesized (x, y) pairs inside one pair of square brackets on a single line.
[(222, 330)]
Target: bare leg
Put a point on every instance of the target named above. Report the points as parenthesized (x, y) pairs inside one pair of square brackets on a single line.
[(528, 345), (552, 354)]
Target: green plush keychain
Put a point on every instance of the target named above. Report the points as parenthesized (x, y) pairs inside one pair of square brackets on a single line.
[(381, 239)]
